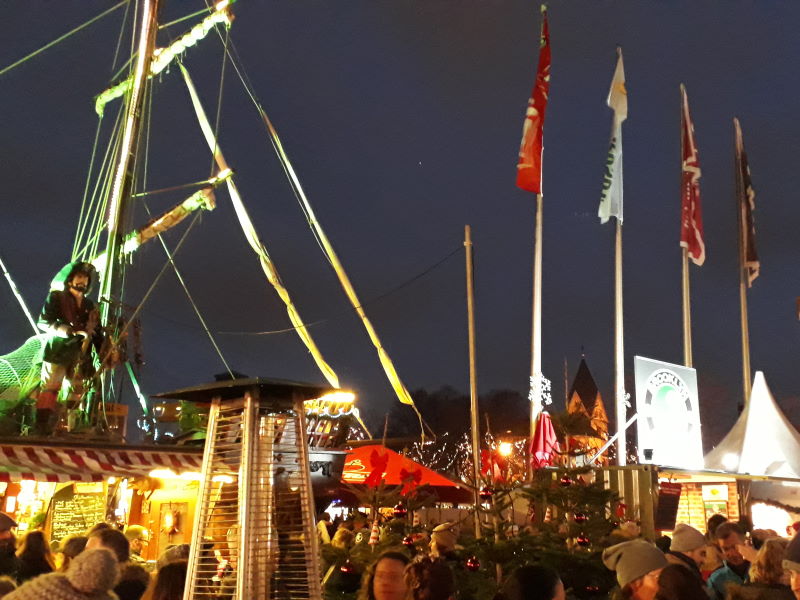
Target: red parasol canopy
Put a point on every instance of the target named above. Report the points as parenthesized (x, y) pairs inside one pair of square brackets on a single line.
[(396, 469), (544, 444)]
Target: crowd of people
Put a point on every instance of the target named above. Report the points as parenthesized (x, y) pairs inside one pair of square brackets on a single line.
[(103, 564), (725, 563)]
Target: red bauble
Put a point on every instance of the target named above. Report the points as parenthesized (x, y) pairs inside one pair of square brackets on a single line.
[(486, 493), (583, 541), (347, 567), (472, 563), (408, 541), (581, 517), (400, 510), (565, 481)]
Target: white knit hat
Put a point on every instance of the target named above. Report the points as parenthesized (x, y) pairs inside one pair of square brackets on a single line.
[(632, 560), (686, 538)]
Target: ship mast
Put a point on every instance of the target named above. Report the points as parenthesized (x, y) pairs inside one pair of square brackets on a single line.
[(125, 162)]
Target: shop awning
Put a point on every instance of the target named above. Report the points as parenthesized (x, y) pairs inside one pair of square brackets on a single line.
[(358, 466), (56, 462)]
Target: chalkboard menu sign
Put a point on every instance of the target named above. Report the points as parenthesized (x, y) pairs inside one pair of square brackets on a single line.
[(74, 512)]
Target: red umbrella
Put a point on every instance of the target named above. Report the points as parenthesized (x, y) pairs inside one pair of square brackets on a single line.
[(544, 444)]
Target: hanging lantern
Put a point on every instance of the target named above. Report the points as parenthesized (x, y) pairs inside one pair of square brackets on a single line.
[(472, 564), (581, 517), (399, 511), (565, 481), (583, 541), (347, 567), (486, 493)]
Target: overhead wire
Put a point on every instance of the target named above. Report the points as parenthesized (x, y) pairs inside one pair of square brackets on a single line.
[(386, 294), (61, 38)]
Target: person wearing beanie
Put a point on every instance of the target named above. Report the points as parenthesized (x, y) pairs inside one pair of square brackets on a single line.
[(91, 576), (443, 540), (688, 549), (638, 564), (9, 563), (791, 563), (735, 568)]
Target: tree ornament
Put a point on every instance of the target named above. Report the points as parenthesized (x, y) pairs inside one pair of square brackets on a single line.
[(583, 541), (620, 510), (408, 541), (347, 567), (486, 493), (399, 510), (565, 481), (581, 517), (592, 589), (472, 564)]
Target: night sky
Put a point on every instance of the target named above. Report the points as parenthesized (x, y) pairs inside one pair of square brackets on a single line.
[(403, 120)]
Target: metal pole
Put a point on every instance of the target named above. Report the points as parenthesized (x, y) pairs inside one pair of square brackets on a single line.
[(619, 353), (123, 171), (687, 312), (473, 383), (536, 333), (740, 200)]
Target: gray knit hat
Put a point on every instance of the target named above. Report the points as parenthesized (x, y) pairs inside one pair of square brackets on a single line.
[(686, 538), (632, 560), (791, 558), (91, 576)]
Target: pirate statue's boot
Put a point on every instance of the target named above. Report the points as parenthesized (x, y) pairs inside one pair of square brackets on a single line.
[(45, 412)]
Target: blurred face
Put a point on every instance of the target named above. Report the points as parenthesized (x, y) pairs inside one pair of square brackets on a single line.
[(138, 546), (698, 555), (794, 582), (646, 587), (560, 593), (79, 282), (389, 582), (729, 551)]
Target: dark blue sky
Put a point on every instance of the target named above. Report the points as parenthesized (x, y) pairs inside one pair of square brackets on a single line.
[(403, 121)]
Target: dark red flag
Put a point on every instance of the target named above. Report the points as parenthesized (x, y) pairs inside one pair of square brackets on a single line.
[(691, 211), (529, 166)]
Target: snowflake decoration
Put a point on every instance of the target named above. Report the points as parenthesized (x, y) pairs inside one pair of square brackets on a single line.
[(545, 387)]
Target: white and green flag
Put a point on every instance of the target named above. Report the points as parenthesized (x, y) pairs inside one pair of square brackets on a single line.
[(611, 198)]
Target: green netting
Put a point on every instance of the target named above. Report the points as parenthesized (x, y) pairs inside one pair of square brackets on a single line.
[(19, 371)]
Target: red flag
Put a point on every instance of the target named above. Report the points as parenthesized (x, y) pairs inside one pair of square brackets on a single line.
[(747, 204), (691, 210), (529, 167), (544, 444)]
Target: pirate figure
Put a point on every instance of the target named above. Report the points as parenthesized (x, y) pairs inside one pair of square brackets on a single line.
[(71, 321)]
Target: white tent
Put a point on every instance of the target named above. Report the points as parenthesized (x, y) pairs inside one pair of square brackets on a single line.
[(762, 442)]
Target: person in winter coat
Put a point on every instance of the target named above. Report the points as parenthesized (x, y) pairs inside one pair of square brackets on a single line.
[(768, 579), (91, 576), (35, 557), (678, 583), (688, 550), (735, 569), (638, 564)]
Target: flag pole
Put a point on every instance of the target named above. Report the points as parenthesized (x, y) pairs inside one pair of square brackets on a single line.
[(740, 199), (536, 333), (687, 308), (619, 352), (687, 311), (473, 384)]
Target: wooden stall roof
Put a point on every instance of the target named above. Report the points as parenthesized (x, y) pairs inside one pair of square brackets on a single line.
[(236, 388)]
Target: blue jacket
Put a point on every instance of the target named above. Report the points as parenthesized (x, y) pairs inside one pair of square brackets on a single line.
[(719, 580)]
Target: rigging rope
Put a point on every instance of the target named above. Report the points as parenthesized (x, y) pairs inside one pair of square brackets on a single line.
[(328, 251), (253, 240), (49, 45), (389, 292)]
